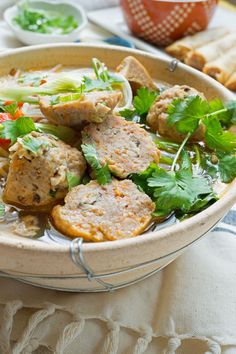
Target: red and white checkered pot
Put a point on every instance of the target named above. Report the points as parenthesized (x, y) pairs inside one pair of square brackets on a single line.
[(163, 21)]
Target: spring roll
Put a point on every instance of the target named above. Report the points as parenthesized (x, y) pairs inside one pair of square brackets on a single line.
[(209, 52), (223, 67), (231, 82), (182, 47)]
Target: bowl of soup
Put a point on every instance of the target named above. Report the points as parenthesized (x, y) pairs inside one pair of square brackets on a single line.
[(163, 21), (113, 162)]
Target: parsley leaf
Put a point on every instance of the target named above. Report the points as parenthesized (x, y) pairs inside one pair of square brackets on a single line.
[(102, 173), (33, 144), (72, 180)]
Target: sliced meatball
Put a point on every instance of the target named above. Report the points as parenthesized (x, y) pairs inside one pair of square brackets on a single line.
[(39, 179), (114, 211), (136, 74), (157, 116), (91, 107), (125, 146)]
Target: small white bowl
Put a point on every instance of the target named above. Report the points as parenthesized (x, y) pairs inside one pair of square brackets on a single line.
[(31, 38)]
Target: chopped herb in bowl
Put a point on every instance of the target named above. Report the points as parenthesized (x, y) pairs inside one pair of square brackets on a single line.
[(43, 21)]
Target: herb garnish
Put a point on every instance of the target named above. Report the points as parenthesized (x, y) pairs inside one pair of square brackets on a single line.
[(142, 103), (9, 108), (72, 180), (178, 191), (186, 115), (102, 173), (33, 144), (42, 21), (13, 129)]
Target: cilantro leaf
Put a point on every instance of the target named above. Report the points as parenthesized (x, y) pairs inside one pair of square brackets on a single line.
[(33, 144), (12, 129), (178, 190), (72, 180), (144, 100), (186, 113), (140, 179), (142, 103), (64, 133), (102, 173), (227, 168), (216, 138)]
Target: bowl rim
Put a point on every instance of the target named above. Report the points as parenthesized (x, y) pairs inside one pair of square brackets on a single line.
[(227, 199), (9, 13)]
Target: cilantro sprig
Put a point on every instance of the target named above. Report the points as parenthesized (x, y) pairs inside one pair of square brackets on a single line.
[(13, 129), (102, 173), (176, 191), (187, 114), (142, 103)]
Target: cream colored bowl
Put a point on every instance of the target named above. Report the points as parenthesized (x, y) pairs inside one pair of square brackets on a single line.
[(102, 266)]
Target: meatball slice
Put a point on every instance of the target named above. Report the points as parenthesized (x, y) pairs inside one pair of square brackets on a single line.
[(125, 146), (38, 178), (91, 107), (136, 74), (113, 211), (157, 116)]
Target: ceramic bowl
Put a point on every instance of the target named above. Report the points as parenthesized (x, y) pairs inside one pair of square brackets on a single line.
[(100, 266), (163, 21), (31, 38)]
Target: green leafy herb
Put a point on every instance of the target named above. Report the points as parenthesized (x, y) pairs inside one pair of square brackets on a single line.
[(178, 191), (142, 103), (102, 173), (9, 108), (72, 180), (12, 129), (144, 100), (216, 138), (33, 144), (188, 113), (222, 166), (227, 168), (42, 21)]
